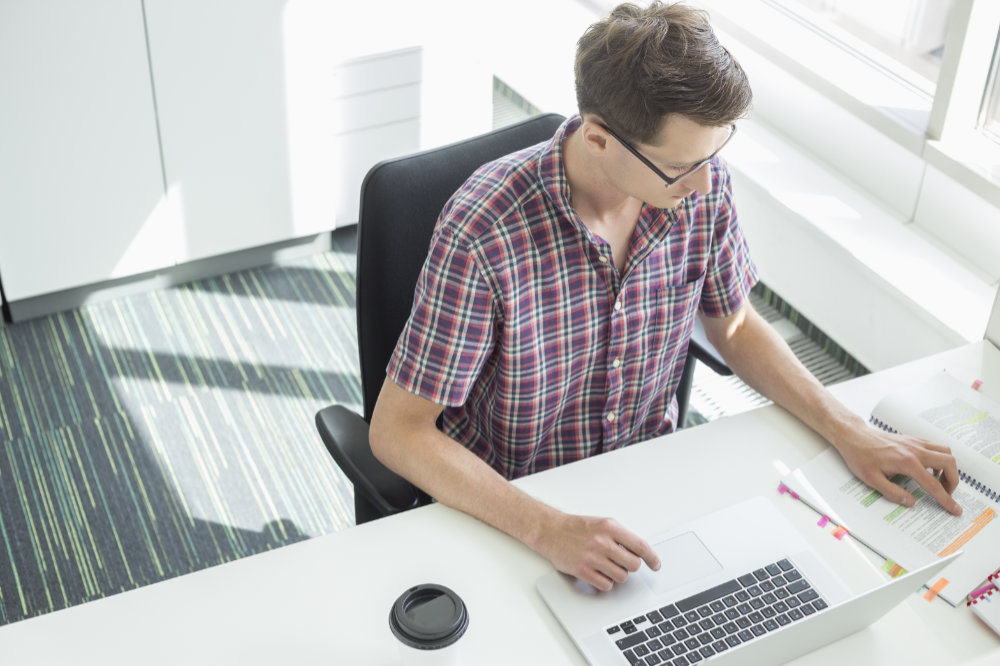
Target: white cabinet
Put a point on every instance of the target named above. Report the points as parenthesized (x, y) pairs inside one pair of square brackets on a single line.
[(135, 136), (80, 180)]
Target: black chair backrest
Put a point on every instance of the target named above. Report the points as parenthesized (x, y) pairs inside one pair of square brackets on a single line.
[(400, 202)]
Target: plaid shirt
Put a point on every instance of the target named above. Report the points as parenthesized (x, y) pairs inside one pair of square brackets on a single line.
[(522, 327)]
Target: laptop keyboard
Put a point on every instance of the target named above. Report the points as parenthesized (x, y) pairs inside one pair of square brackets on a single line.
[(723, 617)]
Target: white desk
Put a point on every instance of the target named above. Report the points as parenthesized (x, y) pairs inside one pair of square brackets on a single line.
[(326, 600)]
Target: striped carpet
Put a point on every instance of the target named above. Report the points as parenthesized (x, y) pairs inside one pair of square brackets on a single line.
[(158, 434), (162, 433)]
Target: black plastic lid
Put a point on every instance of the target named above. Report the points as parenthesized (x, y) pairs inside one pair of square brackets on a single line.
[(428, 617)]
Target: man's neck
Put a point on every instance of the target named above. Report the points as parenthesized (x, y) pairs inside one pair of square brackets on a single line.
[(604, 209)]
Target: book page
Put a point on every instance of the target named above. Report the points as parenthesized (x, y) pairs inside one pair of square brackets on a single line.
[(946, 412)]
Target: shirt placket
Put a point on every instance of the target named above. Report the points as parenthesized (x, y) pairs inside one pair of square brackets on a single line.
[(617, 343)]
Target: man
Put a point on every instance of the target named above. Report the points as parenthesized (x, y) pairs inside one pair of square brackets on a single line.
[(551, 320)]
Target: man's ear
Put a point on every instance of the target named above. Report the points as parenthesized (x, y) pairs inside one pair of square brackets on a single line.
[(595, 137)]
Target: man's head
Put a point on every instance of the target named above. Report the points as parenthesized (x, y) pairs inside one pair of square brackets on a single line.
[(640, 65)]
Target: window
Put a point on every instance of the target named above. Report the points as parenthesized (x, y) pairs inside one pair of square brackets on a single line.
[(904, 37), (990, 117)]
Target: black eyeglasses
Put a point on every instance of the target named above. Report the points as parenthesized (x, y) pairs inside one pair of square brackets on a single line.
[(668, 179)]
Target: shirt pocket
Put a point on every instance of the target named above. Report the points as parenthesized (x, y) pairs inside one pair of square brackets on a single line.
[(668, 318)]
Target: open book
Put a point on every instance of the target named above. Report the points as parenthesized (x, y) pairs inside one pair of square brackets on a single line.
[(947, 412)]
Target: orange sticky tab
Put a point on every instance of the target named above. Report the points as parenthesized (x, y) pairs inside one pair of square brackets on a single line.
[(936, 589), (839, 532)]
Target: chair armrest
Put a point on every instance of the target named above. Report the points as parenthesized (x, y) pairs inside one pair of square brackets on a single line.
[(345, 435), (702, 349)]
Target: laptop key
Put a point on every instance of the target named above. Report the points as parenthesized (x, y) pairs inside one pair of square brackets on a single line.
[(792, 574), (795, 614), (770, 625), (747, 580), (680, 661), (784, 565), (745, 635), (797, 586), (709, 595), (653, 660), (782, 619), (733, 641), (819, 604), (632, 659), (669, 611), (773, 569), (631, 641), (707, 651), (808, 595)]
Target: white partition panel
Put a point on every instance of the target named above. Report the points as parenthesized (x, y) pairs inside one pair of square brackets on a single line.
[(81, 189)]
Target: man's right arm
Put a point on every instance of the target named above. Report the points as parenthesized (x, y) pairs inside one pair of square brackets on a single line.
[(405, 438)]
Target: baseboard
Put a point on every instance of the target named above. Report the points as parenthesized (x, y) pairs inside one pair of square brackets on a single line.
[(46, 304)]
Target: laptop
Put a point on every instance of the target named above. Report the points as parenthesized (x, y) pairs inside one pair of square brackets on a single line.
[(739, 586)]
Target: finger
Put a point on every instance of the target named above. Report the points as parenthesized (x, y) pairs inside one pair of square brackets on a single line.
[(890, 490), (640, 549), (939, 448), (936, 490), (625, 558), (598, 580)]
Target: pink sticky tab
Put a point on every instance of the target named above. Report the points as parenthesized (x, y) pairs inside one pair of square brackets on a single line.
[(782, 488), (823, 520), (977, 384)]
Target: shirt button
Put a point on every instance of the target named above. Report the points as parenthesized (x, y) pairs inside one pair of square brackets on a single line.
[(611, 417), (602, 259), (618, 306), (617, 363)]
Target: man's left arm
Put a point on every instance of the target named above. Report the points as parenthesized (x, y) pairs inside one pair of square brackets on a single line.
[(764, 361)]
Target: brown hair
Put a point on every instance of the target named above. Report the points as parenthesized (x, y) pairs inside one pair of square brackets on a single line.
[(637, 66)]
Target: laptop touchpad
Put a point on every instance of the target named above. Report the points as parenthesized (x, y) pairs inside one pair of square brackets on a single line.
[(683, 559)]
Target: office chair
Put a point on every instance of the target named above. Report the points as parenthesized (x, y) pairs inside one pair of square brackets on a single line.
[(400, 202)]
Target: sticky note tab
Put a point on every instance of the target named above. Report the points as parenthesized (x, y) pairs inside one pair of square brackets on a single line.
[(823, 520), (840, 532), (977, 384), (782, 488), (936, 589), (893, 569)]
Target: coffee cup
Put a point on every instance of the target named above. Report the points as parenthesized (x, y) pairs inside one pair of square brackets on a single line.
[(428, 620)]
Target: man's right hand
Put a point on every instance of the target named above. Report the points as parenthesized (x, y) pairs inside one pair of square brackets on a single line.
[(599, 551)]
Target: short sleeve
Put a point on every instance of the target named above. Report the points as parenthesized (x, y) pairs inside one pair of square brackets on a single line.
[(450, 332), (730, 273)]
